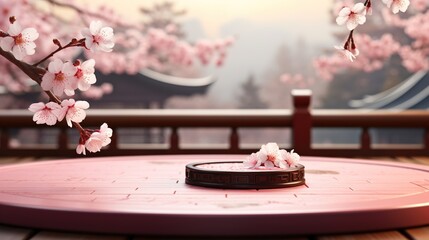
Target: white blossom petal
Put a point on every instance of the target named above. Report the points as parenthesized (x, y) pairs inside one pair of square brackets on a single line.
[(36, 107), (7, 43), (18, 52), (30, 34), (47, 81), (58, 87), (14, 29), (80, 149), (345, 11), (82, 104), (55, 66), (95, 27), (358, 8)]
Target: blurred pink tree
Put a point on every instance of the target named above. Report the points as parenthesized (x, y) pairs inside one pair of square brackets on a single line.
[(369, 51), (31, 35), (138, 45)]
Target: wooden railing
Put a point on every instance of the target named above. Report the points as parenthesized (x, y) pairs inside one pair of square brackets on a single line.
[(301, 120)]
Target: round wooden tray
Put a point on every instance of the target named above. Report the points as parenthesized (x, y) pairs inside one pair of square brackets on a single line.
[(232, 175), (147, 196)]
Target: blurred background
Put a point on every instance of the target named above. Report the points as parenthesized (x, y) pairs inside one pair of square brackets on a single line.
[(240, 54), (275, 49)]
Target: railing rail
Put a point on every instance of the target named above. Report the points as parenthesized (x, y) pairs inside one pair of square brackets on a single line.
[(301, 120)]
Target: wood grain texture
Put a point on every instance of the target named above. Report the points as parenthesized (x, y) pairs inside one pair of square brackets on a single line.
[(421, 160), (148, 192), (390, 235), (46, 235), (13, 233), (222, 238), (421, 233)]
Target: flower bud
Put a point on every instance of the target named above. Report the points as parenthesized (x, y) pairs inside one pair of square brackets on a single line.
[(56, 42), (12, 19)]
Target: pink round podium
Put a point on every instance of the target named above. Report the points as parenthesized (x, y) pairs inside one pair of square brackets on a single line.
[(147, 195)]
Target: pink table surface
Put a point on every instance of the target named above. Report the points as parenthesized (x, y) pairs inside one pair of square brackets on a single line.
[(148, 195)]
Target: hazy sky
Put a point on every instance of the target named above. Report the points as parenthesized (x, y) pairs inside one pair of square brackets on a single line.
[(262, 27), (215, 13)]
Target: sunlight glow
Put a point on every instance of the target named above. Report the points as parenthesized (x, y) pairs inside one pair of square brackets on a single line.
[(214, 13)]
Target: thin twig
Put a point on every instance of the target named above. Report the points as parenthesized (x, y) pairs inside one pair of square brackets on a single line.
[(35, 73), (72, 43)]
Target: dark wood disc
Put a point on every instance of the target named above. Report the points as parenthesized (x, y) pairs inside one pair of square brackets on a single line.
[(232, 174)]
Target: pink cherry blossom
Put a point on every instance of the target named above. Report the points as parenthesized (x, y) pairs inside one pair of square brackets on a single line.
[(85, 75), (352, 17), (350, 54), (268, 155), (252, 161), (59, 77), (105, 134), (73, 111), (80, 149), (419, 5), (397, 5), (282, 160), (413, 60), (19, 42), (97, 92), (95, 141), (293, 159), (371, 57), (45, 113), (98, 38)]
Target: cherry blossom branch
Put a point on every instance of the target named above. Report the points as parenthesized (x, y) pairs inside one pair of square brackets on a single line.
[(162, 49), (61, 78), (355, 16), (73, 43), (35, 73)]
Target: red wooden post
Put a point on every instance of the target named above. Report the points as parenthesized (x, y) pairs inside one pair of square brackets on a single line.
[(234, 140), (365, 139), (301, 121), (4, 138), (174, 140)]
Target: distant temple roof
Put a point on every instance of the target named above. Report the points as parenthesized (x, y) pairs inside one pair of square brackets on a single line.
[(148, 87), (142, 88), (413, 93), (178, 81)]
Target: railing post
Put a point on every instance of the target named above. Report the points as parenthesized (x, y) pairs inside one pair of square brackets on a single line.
[(174, 140), (4, 138), (365, 139), (301, 121), (234, 140)]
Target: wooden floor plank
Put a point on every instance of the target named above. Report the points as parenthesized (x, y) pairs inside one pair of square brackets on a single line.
[(391, 235), (13, 233), (421, 233), (406, 160), (19, 160), (220, 238), (8, 160), (421, 160), (47, 235)]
